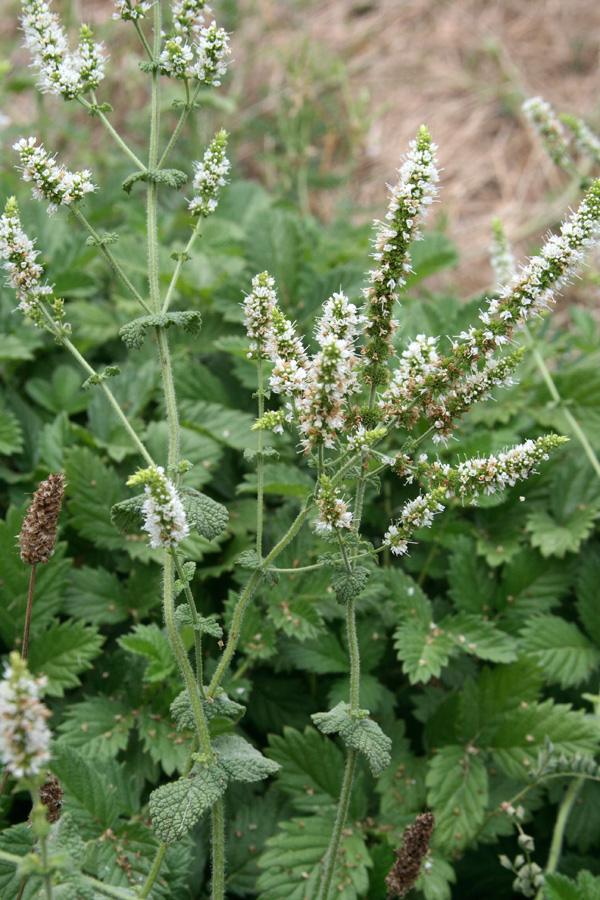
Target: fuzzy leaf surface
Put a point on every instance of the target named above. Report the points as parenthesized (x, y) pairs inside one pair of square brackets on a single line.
[(176, 807), (133, 334), (241, 760), (208, 517), (363, 735), (348, 585)]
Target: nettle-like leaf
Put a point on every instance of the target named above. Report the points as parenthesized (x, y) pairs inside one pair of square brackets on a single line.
[(134, 333), (323, 655), (93, 489), (588, 595), (97, 596), (97, 726), (436, 877), (11, 433), (17, 840), (174, 178), (203, 624), (560, 887), (410, 601), (362, 734), (458, 796), (402, 785), (208, 517), (290, 864), (481, 638), (469, 585), (299, 618), (67, 650), (311, 768), (423, 649), (556, 537), (348, 585), (150, 642), (162, 742), (521, 734), (175, 808), (219, 707), (566, 655), (248, 827)]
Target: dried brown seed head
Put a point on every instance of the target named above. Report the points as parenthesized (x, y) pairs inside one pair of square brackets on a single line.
[(415, 844), (51, 795), (38, 534)]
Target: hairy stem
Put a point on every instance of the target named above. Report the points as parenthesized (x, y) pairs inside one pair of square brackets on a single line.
[(114, 134), (558, 834), (175, 276), (338, 828), (194, 614), (217, 820), (112, 262), (30, 592), (260, 467), (153, 873), (182, 120)]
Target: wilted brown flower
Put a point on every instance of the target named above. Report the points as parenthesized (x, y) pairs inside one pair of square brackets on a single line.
[(51, 795), (38, 534), (415, 844)]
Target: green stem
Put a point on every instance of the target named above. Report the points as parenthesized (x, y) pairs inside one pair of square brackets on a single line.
[(260, 467), (558, 834), (151, 213), (47, 877), (338, 828), (153, 873), (245, 596), (117, 137), (194, 614), (182, 120), (217, 819), (109, 394), (110, 259), (354, 654), (142, 38), (175, 276), (183, 661), (170, 397), (554, 393)]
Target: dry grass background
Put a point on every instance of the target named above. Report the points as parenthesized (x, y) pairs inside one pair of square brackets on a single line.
[(462, 67)]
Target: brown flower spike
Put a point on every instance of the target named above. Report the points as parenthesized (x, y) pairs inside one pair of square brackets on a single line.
[(38, 534), (415, 844)]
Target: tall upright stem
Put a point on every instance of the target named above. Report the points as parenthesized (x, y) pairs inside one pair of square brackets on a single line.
[(338, 828), (260, 468), (217, 821)]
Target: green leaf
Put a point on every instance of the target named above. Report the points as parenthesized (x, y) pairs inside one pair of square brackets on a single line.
[(133, 334), (231, 427), (93, 794), (584, 820), (162, 743), (471, 588), (11, 434), (279, 478), (175, 808), (203, 625), (97, 596), (174, 178), (348, 585), (208, 517), (362, 734), (458, 795), (150, 642), (252, 822), (61, 391), (241, 760), (97, 726), (17, 840), (311, 768), (93, 489), (433, 254), (127, 515), (557, 538), (588, 595), (324, 655), (521, 734), (559, 887), (496, 694), (126, 859), (402, 785), (299, 618), (481, 638), (220, 706), (531, 584), (290, 864), (566, 655), (423, 650), (67, 650), (410, 602), (436, 877)]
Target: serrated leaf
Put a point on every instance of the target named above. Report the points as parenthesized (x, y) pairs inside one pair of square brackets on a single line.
[(469, 585), (299, 618), (251, 824), (436, 877), (348, 585), (11, 434), (279, 478), (133, 334), (458, 795), (93, 489), (521, 734), (324, 655), (127, 515), (566, 655), (126, 859), (559, 887), (163, 743), (221, 706), (208, 517), (362, 734), (203, 624), (18, 841), (67, 650), (496, 694), (583, 826), (97, 726), (481, 638), (311, 768), (62, 391), (97, 596), (175, 808), (95, 799), (402, 785), (423, 651), (588, 596), (241, 760), (531, 584), (151, 643), (290, 865), (410, 601), (557, 538), (232, 427)]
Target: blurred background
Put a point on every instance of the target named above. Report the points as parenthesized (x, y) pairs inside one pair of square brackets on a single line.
[(323, 97)]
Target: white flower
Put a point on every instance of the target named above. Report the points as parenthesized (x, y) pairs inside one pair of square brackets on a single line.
[(186, 14), (210, 175), (128, 11), (550, 129), (24, 735), (24, 272), (212, 49), (258, 306), (51, 182), (333, 510), (164, 515)]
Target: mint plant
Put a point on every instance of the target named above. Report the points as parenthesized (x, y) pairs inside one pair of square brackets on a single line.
[(155, 754)]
